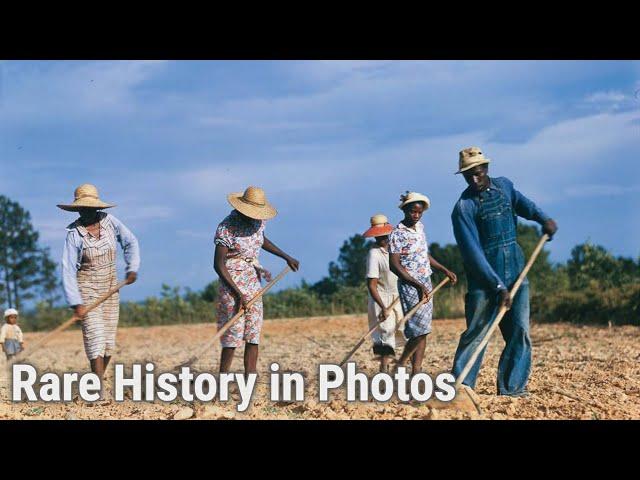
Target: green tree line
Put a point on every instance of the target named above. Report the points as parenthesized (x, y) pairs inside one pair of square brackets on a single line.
[(592, 286)]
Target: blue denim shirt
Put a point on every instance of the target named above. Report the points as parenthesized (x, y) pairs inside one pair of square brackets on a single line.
[(475, 248), (72, 256)]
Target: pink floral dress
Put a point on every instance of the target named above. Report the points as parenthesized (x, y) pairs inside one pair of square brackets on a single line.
[(244, 238)]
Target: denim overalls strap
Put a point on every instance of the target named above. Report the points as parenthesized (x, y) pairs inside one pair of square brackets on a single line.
[(496, 219)]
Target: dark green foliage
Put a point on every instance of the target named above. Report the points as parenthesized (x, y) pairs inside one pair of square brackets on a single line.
[(449, 302), (593, 265), (449, 255), (593, 287), (43, 317), (619, 306), (170, 308), (26, 269), (350, 269), (210, 292), (325, 287)]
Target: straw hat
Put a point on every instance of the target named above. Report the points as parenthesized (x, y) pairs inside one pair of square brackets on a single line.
[(411, 197), (86, 196), (10, 311), (469, 158), (252, 203), (380, 227)]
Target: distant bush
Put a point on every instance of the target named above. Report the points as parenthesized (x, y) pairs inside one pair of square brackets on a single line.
[(449, 303), (293, 302), (44, 317), (589, 306), (155, 311)]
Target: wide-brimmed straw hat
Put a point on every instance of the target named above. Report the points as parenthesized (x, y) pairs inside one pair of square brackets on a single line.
[(380, 227), (252, 203), (469, 158), (411, 197), (86, 196)]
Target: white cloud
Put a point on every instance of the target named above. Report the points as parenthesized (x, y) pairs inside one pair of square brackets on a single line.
[(610, 96), (368, 99), (558, 155), (613, 100), (333, 69), (274, 176), (569, 152)]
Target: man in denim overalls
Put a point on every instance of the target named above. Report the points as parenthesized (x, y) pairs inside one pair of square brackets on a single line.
[(484, 223)]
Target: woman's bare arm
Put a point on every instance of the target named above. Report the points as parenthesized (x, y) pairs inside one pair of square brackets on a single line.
[(219, 265), (372, 285), (270, 247)]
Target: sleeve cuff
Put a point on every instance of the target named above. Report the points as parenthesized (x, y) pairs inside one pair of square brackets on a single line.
[(542, 218), (73, 300)]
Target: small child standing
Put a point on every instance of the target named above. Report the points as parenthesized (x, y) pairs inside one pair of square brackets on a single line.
[(10, 334), (383, 291)]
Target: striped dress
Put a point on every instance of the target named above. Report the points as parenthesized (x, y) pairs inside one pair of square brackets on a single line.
[(97, 275)]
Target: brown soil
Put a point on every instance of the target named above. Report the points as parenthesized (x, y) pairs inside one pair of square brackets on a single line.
[(579, 372)]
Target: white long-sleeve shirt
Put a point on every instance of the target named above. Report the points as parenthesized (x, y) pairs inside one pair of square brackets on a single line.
[(10, 332)]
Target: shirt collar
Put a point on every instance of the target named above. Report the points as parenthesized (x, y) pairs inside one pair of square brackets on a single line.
[(470, 192), (413, 230), (82, 230)]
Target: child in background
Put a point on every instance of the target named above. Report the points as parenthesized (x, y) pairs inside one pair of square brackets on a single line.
[(10, 334), (383, 291)]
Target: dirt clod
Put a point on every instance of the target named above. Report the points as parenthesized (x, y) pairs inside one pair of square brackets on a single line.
[(183, 414)]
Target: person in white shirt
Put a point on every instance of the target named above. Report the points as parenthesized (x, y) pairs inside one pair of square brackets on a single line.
[(10, 334), (383, 291)]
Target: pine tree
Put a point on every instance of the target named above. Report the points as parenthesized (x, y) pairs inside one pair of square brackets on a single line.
[(26, 269)]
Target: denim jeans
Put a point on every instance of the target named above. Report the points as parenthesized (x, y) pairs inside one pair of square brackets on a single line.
[(514, 367)]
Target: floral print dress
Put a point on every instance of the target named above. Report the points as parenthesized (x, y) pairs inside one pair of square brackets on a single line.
[(411, 244), (244, 238)]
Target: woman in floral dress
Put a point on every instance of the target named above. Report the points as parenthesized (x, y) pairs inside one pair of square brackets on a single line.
[(238, 241), (410, 260)]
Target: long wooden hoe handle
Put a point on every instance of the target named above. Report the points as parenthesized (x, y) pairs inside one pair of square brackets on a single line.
[(235, 318), (501, 312), (371, 330), (62, 327)]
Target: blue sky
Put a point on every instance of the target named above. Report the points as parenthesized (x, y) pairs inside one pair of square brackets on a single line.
[(332, 143)]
